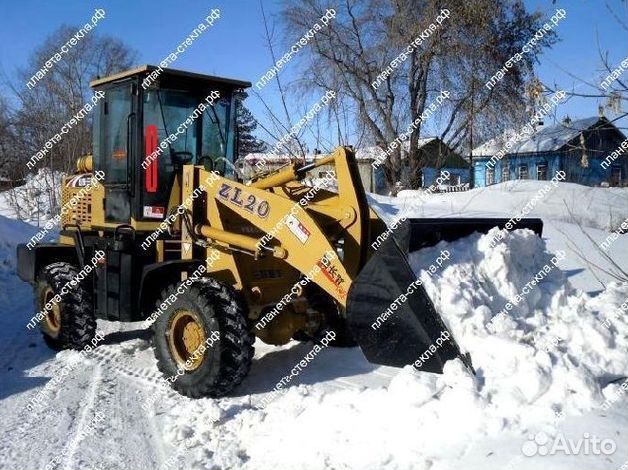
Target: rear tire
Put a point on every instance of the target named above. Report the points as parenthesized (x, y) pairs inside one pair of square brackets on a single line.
[(183, 331), (70, 323)]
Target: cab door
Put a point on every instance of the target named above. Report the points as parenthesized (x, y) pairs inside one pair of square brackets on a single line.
[(117, 150)]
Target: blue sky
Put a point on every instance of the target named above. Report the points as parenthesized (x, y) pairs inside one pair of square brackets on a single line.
[(235, 46)]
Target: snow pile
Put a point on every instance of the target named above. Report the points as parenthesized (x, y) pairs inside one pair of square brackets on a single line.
[(551, 355), (37, 200), (555, 338)]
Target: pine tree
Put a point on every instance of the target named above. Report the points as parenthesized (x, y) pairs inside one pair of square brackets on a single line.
[(246, 125)]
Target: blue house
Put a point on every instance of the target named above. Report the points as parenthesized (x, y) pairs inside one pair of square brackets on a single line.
[(435, 158), (590, 151)]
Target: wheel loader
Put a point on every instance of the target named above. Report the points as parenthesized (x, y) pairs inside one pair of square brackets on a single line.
[(187, 245)]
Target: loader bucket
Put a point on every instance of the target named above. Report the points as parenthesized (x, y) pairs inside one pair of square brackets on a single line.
[(390, 331), (394, 332), (429, 231)]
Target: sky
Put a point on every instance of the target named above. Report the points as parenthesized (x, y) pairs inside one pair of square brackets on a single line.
[(235, 46)]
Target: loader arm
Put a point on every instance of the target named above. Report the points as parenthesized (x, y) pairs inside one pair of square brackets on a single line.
[(290, 229)]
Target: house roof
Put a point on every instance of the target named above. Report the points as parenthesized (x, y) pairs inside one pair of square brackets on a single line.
[(545, 139)]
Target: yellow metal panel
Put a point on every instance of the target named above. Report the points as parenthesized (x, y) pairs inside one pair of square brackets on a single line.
[(305, 243)]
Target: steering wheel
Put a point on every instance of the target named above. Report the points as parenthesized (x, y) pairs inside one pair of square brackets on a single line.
[(209, 166), (181, 158)]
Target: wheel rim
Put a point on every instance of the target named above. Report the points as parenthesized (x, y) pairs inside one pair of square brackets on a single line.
[(53, 317), (185, 336)]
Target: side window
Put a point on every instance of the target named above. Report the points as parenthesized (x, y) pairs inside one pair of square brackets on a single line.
[(505, 172), (215, 127), (490, 176), (96, 137), (541, 171), (114, 152), (218, 134), (523, 172)]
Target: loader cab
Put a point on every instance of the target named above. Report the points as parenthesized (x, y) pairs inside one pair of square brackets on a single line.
[(149, 124)]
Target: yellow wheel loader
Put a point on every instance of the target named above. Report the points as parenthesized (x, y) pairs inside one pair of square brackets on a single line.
[(159, 225)]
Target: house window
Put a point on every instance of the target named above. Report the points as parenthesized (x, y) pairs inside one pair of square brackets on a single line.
[(522, 172), (505, 173), (541, 171), (490, 176), (615, 176)]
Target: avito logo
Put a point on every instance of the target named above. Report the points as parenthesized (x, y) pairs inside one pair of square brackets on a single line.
[(542, 444)]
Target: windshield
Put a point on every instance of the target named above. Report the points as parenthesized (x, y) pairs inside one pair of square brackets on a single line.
[(176, 131), (167, 110), (181, 125)]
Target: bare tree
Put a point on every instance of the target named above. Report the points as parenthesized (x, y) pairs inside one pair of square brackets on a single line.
[(285, 134), (63, 91), (7, 141), (42, 110), (460, 55)]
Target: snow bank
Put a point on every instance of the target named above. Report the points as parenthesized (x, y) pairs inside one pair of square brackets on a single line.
[(551, 356), (603, 208), (39, 198)]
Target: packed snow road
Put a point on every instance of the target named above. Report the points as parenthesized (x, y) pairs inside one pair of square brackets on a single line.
[(551, 371)]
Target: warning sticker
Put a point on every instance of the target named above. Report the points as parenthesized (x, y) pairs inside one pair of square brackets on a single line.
[(297, 228), (154, 212)]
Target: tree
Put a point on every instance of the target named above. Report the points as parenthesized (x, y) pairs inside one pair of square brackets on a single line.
[(459, 55), (246, 126), (43, 110), (7, 142), (62, 92)]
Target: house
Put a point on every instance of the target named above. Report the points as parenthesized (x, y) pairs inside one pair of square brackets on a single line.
[(436, 157), (590, 151), (8, 183)]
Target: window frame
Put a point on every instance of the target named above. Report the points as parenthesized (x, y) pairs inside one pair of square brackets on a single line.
[(539, 166), (521, 167), (490, 176), (505, 173)]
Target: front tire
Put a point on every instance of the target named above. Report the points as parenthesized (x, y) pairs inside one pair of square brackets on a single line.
[(201, 340), (69, 323)]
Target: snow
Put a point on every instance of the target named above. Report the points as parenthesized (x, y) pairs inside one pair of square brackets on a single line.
[(601, 208), (576, 218), (549, 367), (38, 198)]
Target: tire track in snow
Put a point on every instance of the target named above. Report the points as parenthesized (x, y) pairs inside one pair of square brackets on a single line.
[(86, 415), (26, 436), (122, 364), (121, 404)]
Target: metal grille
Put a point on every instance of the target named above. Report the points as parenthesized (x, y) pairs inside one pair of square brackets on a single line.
[(78, 212)]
